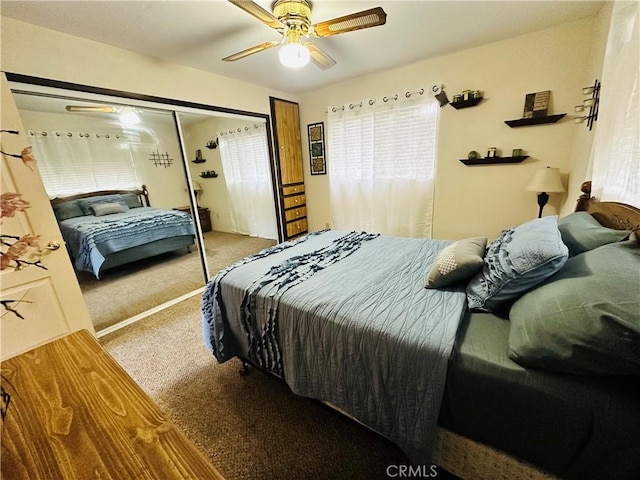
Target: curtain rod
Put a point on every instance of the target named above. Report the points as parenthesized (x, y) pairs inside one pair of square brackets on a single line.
[(239, 129), (44, 133), (434, 90)]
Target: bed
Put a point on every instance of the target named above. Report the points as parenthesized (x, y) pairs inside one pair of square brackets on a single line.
[(107, 229), (528, 345)]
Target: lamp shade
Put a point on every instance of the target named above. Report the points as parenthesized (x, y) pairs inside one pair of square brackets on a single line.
[(546, 180), (196, 186)]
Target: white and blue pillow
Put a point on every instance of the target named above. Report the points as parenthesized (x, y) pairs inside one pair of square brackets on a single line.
[(518, 260)]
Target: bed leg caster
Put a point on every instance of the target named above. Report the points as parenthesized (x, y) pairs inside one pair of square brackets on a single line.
[(245, 370)]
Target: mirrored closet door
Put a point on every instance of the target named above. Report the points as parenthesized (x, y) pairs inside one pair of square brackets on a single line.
[(107, 164)]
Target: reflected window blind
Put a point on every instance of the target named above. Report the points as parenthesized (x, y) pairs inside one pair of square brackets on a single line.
[(71, 164)]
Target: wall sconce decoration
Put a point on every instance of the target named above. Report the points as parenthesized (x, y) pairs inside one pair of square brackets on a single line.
[(161, 159), (592, 103), (545, 181), (212, 144), (199, 158)]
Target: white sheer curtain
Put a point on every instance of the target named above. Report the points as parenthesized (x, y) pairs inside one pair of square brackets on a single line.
[(78, 162), (381, 166), (616, 147), (245, 161)]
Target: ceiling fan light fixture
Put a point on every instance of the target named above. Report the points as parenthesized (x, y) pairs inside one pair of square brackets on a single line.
[(129, 117), (294, 55)]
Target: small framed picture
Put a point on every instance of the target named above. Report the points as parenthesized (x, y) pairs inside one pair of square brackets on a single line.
[(316, 148)]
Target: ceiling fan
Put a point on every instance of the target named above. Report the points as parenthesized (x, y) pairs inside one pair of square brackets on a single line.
[(292, 19)]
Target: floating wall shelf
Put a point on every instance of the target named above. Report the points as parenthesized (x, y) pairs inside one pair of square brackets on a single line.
[(472, 102), (494, 160), (523, 122)]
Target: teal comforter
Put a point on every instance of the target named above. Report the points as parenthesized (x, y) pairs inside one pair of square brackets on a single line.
[(345, 319)]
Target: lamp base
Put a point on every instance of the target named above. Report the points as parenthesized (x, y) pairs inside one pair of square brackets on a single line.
[(543, 198)]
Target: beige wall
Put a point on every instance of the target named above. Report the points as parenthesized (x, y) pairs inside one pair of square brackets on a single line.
[(31, 50), (486, 199), (468, 200)]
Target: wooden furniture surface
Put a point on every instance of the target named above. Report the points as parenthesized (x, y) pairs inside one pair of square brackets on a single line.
[(203, 213), (292, 201), (74, 413)]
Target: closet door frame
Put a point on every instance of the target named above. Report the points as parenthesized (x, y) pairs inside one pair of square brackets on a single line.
[(170, 105)]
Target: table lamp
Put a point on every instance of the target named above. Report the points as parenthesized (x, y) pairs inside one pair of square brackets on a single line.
[(545, 181)]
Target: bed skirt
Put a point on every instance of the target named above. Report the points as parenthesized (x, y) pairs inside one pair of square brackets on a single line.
[(471, 460)]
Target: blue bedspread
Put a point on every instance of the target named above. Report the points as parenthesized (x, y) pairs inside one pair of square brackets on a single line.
[(344, 318), (90, 239)]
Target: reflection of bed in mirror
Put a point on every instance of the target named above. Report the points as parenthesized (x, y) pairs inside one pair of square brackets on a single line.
[(110, 228)]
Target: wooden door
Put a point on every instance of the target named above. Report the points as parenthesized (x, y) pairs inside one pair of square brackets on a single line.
[(291, 193), (41, 298)]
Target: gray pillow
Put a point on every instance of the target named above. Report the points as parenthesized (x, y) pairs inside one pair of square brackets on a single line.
[(456, 262), (586, 318), (101, 209), (132, 200), (518, 260), (87, 203), (581, 232), (66, 210)]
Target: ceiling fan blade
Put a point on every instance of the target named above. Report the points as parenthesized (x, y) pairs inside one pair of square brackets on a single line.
[(365, 19), (258, 12), (319, 56), (250, 51), (84, 108)]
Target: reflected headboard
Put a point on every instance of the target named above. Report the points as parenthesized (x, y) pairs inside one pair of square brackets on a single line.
[(619, 216), (142, 193)]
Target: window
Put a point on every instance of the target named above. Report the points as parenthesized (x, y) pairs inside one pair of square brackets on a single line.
[(78, 162), (382, 166)]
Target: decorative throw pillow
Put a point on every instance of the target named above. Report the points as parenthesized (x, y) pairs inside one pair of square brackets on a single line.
[(581, 232), (519, 259), (101, 209), (586, 318), (66, 210), (456, 262), (87, 203)]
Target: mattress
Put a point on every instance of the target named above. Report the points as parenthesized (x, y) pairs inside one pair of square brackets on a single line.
[(574, 426)]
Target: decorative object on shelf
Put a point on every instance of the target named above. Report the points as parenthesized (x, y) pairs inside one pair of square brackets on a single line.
[(199, 158), (316, 148), (468, 98), (492, 152), (212, 144), (516, 152), (208, 174), (536, 111), (161, 159), (494, 160), (536, 104), (592, 103), (545, 181), (473, 155)]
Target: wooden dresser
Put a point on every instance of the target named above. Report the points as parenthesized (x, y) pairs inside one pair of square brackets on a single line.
[(74, 413), (290, 173)]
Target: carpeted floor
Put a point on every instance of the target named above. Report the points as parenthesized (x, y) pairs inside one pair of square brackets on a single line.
[(129, 290), (250, 427)]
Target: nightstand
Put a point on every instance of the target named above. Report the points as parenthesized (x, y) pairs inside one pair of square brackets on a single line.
[(203, 213)]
